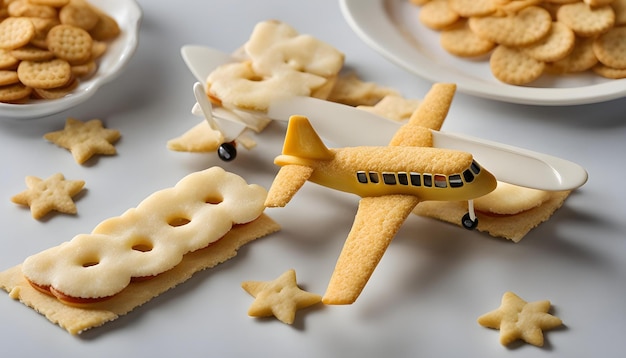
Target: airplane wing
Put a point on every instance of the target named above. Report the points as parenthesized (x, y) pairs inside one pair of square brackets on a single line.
[(375, 225), (429, 115), (288, 181)]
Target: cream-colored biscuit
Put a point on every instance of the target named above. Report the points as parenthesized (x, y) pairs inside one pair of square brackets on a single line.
[(8, 77), (15, 32), (438, 15), (14, 93), (280, 297), (609, 72), (581, 58), (44, 74), (200, 138), (469, 8), (556, 45), (85, 139), (517, 319), (45, 195), (461, 41), (70, 43)]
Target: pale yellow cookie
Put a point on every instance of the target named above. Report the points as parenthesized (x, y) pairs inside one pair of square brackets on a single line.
[(517, 319), (556, 45), (610, 48), (513, 66), (200, 138), (586, 21), (54, 193), (55, 93), (461, 41), (280, 298), (85, 139)]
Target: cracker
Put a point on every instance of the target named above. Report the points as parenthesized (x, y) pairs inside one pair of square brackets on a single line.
[(70, 43), (45, 195), (32, 53), (280, 297), (609, 72), (556, 45), (393, 107), (85, 139), (80, 14), (511, 227), (55, 93), (523, 28), (438, 15), (619, 8), (469, 8), (78, 319), (581, 58), (461, 41), (610, 48), (14, 92), (351, 90), (8, 77), (15, 32), (200, 138), (513, 66), (24, 8), (517, 319), (7, 61), (586, 21), (44, 74)]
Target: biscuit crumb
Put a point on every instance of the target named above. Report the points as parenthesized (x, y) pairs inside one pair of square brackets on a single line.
[(518, 319), (54, 193), (280, 298)]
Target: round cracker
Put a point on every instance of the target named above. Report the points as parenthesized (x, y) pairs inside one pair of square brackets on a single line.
[(8, 77), (437, 15), (610, 48), (558, 44), (14, 93), (461, 41), (586, 21), (15, 32), (513, 66), (44, 74), (70, 43), (523, 28), (580, 59)]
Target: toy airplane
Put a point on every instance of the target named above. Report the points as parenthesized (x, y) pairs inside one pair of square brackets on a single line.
[(391, 180)]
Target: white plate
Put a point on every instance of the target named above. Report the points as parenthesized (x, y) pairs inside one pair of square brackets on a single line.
[(127, 13), (392, 28)]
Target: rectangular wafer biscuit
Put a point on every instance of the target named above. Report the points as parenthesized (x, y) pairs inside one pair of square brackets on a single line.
[(78, 319)]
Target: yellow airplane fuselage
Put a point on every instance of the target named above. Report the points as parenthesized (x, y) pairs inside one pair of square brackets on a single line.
[(423, 172)]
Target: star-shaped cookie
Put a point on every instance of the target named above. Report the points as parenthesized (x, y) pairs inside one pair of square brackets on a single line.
[(84, 139), (518, 319), (54, 193), (281, 297)]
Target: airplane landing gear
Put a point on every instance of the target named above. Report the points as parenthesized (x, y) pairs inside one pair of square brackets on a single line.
[(227, 151), (469, 220)]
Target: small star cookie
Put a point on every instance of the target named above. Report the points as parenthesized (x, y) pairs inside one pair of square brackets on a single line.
[(84, 139), (281, 297), (518, 319), (54, 193)]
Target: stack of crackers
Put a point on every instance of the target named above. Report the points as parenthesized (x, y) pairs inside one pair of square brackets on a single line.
[(526, 38), (47, 46)]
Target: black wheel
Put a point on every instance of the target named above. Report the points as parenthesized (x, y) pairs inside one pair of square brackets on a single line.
[(227, 151), (468, 223)]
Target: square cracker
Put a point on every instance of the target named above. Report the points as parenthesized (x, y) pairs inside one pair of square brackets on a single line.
[(512, 227), (78, 319)]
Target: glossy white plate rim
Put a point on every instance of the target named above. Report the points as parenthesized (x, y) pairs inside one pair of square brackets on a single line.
[(128, 15), (374, 23)]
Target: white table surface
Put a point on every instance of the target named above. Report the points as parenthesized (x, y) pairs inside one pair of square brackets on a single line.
[(433, 282)]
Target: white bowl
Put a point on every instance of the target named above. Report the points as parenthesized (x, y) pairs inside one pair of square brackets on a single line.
[(128, 14)]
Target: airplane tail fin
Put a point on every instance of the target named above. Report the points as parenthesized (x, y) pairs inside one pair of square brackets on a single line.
[(302, 141)]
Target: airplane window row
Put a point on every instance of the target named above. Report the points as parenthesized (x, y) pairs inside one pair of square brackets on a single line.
[(419, 179)]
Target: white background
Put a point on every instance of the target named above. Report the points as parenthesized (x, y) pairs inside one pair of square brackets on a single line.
[(433, 282)]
